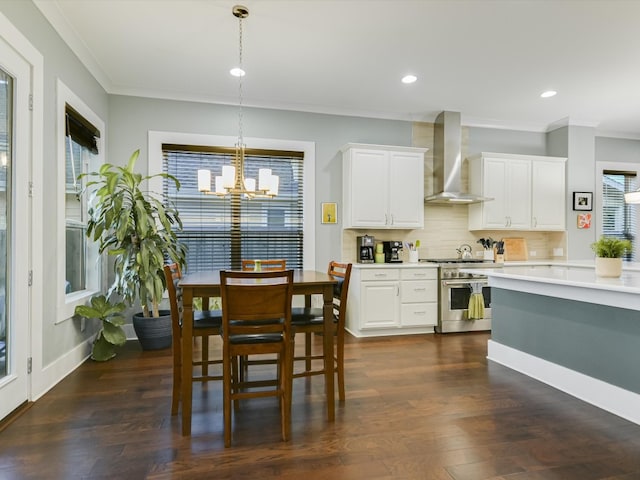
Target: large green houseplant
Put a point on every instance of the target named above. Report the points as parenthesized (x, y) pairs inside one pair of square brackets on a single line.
[(609, 252), (138, 230)]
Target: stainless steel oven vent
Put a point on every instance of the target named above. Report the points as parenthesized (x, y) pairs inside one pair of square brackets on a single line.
[(447, 162)]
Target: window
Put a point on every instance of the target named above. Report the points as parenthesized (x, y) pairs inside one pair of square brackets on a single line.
[(220, 231), (157, 139), (80, 151), (619, 219)]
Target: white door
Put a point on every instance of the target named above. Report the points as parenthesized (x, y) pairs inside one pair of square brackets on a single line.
[(15, 255)]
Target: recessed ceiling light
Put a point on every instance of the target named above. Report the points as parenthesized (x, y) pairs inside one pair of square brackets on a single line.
[(237, 72), (548, 93), (409, 79)]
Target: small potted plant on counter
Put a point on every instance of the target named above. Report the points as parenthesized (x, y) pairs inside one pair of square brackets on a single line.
[(609, 252)]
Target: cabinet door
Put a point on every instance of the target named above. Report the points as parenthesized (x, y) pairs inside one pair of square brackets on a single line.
[(548, 197), (406, 190), (380, 305), (518, 189), (494, 212), (369, 193)]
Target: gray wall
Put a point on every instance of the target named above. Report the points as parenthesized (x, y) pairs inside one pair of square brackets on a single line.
[(617, 150), (59, 62), (505, 141), (131, 118)]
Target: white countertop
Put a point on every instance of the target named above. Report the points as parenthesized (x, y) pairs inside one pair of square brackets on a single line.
[(395, 265), (569, 280)]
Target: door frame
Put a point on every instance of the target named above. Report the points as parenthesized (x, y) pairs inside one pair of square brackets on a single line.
[(34, 208)]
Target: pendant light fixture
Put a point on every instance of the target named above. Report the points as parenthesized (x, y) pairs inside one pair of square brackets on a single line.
[(232, 180), (632, 197)]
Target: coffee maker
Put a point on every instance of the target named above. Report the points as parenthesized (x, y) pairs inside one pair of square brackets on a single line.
[(365, 246), (391, 251)]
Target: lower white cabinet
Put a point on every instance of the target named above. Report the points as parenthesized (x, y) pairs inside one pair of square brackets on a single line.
[(392, 300)]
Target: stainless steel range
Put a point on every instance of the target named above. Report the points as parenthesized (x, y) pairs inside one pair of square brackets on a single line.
[(454, 291)]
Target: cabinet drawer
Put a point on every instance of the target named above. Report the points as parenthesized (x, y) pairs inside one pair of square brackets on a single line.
[(417, 291), (419, 273), (380, 274), (418, 314)]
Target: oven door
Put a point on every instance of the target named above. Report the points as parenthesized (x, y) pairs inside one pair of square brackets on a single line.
[(454, 298)]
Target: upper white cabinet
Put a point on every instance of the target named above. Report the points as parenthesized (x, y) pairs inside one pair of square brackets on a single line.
[(382, 186), (548, 194), (528, 192)]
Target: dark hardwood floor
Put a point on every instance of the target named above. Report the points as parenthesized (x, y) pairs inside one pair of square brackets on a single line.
[(418, 407)]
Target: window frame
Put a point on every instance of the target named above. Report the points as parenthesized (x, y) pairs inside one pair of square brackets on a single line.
[(94, 266), (601, 167), (157, 138)]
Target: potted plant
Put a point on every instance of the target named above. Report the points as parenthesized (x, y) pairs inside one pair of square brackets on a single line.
[(609, 252), (111, 334), (136, 229)]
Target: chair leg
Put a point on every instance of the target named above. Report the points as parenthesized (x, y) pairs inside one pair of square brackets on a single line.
[(307, 351), (227, 398), (205, 356), (236, 376), (340, 368), (175, 394), (177, 375), (286, 386)]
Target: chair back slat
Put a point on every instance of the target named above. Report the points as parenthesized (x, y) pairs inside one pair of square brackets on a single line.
[(265, 265)]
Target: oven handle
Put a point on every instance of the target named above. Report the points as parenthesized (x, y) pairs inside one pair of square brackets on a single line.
[(464, 283)]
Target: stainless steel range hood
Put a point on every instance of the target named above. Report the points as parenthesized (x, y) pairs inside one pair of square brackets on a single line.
[(447, 162)]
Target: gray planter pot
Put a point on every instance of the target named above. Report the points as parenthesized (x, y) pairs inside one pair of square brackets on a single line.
[(154, 333)]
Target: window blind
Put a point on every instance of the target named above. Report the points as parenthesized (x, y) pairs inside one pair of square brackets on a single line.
[(220, 231), (618, 218)]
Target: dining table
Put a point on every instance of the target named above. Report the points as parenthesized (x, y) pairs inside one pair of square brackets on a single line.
[(207, 284)]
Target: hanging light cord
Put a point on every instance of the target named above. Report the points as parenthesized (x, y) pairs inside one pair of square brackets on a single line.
[(240, 137)]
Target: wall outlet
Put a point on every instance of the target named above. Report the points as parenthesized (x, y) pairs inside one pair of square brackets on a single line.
[(532, 253), (558, 252)]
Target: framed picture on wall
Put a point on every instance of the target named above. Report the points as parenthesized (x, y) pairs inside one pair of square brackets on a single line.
[(583, 201), (329, 213)]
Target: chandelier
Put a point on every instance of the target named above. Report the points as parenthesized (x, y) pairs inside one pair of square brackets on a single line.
[(232, 180)]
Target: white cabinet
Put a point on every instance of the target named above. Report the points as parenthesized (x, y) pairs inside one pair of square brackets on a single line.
[(548, 197), (528, 192), (382, 186), (392, 300), (418, 297)]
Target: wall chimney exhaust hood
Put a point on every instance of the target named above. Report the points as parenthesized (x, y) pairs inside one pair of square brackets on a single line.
[(447, 162)]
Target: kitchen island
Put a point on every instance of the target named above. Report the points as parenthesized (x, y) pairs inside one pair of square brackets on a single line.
[(564, 326)]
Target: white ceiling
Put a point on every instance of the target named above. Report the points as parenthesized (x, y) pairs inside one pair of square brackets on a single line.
[(489, 60)]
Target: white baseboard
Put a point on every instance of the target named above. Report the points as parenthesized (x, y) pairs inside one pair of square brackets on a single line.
[(60, 368), (616, 400)]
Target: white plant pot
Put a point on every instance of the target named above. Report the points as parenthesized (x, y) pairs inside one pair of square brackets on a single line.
[(608, 267)]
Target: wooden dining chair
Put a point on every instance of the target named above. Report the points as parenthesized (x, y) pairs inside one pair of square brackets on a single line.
[(266, 265), (310, 320), (206, 323), (256, 319)]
